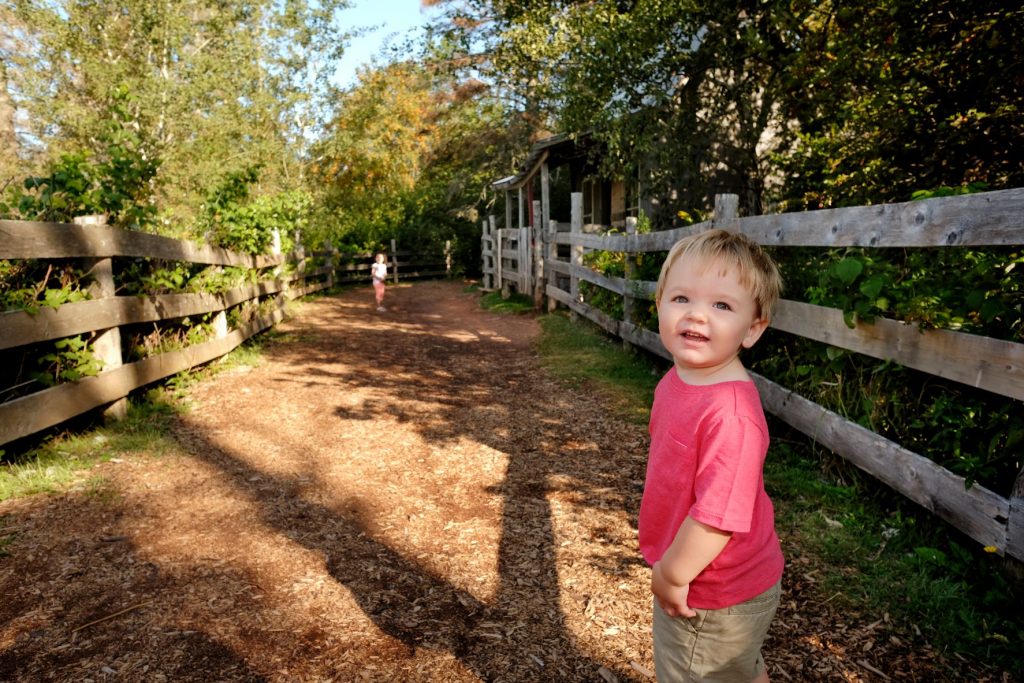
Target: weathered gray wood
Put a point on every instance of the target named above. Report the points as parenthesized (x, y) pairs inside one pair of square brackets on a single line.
[(616, 285), (31, 240), (576, 253), (648, 242), (558, 266), (985, 219), (394, 262), (537, 257), (978, 512), (991, 364), (630, 275), (545, 196), (496, 248), (601, 319), (726, 213), (43, 409), (638, 336), (551, 262), (521, 203), (106, 346), (1015, 521)]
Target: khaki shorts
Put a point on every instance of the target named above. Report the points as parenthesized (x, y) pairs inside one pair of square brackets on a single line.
[(722, 645)]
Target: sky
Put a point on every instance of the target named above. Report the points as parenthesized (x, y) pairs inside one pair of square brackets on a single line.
[(398, 19)]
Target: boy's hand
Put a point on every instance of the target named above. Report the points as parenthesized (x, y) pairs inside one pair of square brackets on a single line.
[(671, 598)]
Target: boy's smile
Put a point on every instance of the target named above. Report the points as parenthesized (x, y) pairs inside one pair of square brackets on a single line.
[(705, 316)]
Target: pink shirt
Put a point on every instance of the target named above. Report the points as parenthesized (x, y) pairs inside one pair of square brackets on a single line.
[(708, 445)]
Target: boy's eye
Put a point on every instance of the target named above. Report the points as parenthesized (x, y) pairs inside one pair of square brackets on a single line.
[(721, 305), (680, 299)]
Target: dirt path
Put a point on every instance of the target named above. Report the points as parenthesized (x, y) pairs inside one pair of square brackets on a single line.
[(399, 496)]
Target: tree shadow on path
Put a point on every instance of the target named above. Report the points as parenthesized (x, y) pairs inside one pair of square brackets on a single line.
[(450, 374)]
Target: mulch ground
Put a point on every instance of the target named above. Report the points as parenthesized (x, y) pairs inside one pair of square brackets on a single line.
[(397, 496)]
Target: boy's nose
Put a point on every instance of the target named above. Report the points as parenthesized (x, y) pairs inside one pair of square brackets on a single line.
[(694, 313)]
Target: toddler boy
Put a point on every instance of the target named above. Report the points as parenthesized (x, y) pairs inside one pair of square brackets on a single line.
[(706, 525)]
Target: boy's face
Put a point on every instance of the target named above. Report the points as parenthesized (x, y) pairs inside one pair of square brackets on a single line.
[(705, 316)]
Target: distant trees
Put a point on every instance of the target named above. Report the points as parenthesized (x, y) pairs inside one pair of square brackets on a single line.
[(410, 154)]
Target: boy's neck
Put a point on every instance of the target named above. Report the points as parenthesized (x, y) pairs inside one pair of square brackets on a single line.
[(733, 371)]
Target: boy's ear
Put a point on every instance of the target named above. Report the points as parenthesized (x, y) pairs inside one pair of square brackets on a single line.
[(757, 328)]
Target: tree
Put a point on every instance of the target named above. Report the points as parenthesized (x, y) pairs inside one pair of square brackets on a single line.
[(895, 96), (216, 86)]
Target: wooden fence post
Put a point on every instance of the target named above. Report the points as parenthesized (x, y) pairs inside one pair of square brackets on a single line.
[(496, 239), (447, 258), (576, 230), (1015, 519), (552, 254), (107, 344), (525, 260), (329, 261), (485, 255), (539, 231), (726, 214), (394, 262), (627, 295), (300, 263)]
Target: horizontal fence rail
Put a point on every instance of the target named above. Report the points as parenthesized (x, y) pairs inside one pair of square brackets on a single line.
[(105, 314), (993, 365)]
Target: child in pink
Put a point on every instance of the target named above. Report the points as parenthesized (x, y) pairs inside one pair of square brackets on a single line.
[(706, 526), (379, 273)]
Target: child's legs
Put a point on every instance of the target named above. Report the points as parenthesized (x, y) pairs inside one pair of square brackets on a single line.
[(722, 645), (378, 288)]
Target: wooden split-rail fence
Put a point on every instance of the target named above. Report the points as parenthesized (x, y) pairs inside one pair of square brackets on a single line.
[(281, 277), (527, 260)]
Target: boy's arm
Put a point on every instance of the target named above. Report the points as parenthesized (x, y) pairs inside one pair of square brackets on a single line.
[(696, 544)]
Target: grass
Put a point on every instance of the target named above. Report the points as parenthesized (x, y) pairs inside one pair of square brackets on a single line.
[(627, 380), (876, 552), (516, 303), (61, 460)]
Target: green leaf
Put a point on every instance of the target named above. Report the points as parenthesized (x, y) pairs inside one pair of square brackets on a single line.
[(872, 287), (848, 269)]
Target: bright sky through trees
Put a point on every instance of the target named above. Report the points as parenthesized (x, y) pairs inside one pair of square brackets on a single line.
[(395, 20)]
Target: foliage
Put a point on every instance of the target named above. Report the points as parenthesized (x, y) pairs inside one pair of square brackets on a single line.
[(217, 87), (29, 285), (896, 95), (407, 157), (233, 221), (117, 183), (71, 360)]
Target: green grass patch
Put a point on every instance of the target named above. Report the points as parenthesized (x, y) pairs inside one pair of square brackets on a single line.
[(61, 460), (873, 551), (876, 552), (582, 355), (516, 303)]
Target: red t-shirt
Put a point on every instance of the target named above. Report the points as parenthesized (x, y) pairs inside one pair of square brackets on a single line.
[(708, 445)]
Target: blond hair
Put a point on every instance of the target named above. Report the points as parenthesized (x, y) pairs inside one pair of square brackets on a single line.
[(757, 273)]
